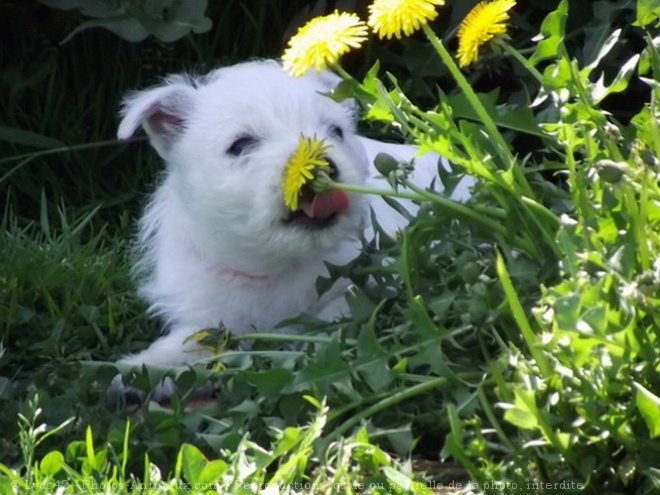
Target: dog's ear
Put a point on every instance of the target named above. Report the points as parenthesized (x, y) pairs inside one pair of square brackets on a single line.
[(162, 112)]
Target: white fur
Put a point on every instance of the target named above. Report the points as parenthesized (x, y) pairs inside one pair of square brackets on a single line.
[(213, 245)]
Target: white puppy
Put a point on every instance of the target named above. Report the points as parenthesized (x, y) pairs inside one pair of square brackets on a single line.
[(218, 244)]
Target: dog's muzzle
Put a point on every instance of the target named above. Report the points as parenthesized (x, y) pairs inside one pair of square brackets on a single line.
[(319, 210)]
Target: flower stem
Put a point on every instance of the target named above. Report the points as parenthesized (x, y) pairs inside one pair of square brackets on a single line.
[(478, 107), (419, 194), (459, 208), (520, 317), (520, 59), (339, 70), (285, 337)]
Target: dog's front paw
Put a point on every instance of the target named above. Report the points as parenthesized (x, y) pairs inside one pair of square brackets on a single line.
[(119, 394)]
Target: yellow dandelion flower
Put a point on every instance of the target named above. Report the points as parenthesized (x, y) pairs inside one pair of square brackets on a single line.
[(485, 21), (392, 17), (300, 168), (322, 41), (215, 341)]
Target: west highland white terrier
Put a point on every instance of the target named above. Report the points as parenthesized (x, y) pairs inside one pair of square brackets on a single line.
[(218, 246)]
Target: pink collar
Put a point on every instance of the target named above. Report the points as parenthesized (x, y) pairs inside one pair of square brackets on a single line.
[(226, 272), (234, 274)]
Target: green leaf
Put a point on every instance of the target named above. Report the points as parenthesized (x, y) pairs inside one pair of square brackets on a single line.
[(455, 445), (352, 89), (248, 407), (373, 360), (52, 463), (192, 463), (400, 480), (520, 317), (519, 119), (360, 305), (297, 462), (89, 446), (313, 401), (75, 450), (212, 472), (553, 30), (603, 47), (127, 28), (524, 413), (599, 91), (521, 418), (19, 136), (93, 9), (328, 373), (646, 125), (271, 382), (288, 440), (649, 407), (650, 58), (648, 11), (558, 76)]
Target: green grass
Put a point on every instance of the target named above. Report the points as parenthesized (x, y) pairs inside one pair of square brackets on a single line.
[(351, 465), (511, 343)]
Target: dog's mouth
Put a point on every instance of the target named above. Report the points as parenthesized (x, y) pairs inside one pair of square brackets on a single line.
[(318, 210)]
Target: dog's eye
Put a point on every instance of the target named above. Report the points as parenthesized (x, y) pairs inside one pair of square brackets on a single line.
[(241, 145), (337, 132)]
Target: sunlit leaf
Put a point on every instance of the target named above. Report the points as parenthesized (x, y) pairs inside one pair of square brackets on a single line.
[(52, 463), (648, 11), (600, 91), (192, 463), (648, 405), (553, 30), (524, 413)]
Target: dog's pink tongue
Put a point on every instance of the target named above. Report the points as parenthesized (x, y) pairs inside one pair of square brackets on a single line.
[(326, 204)]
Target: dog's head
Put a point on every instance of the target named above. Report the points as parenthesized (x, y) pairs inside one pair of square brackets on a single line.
[(226, 138)]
